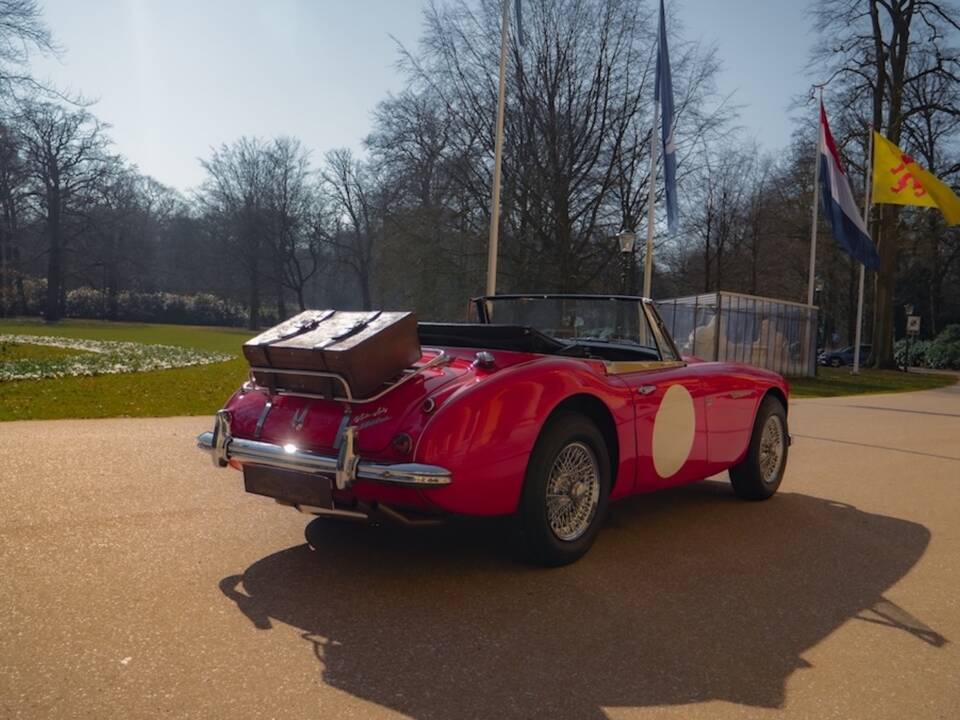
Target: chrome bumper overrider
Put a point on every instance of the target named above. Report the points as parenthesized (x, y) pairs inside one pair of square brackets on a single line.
[(345, 468)]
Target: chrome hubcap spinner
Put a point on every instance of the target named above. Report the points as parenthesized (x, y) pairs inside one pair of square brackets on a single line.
[(573, 491), (771, 448)]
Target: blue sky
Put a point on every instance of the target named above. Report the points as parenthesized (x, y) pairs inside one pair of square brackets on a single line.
[(174, 78)]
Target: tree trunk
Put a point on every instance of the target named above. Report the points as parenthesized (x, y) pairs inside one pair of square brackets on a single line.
[(281, 304), (12, 277), (54, 262), (882, 347), (890, 78), (113, 279), (254, 276), (21, 294), (4, 272), (364, 279), (706, 248), (939, 268), (934, 308)]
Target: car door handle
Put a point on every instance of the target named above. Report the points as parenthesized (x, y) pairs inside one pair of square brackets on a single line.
[(646, 389)]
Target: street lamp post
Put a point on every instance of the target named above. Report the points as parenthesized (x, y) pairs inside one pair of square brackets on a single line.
[(907, 312), (626, 240)]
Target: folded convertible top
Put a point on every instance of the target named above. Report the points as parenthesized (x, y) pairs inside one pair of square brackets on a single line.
[(517, 338)]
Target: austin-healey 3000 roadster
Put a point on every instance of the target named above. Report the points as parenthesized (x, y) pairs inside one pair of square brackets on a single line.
[(547, 408)]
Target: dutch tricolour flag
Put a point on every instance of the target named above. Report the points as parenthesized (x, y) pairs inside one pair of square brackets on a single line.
[(849, 230)]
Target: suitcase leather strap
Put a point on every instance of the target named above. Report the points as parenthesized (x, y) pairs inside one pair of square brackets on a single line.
[(349, 332), (301, 327)]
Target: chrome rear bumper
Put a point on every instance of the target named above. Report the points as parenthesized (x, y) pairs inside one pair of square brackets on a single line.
[(346, 467)]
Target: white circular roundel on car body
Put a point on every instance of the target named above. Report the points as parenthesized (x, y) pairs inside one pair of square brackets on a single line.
[(673, 429)]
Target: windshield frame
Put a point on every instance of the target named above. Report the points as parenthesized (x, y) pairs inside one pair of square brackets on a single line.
[(645, 307)]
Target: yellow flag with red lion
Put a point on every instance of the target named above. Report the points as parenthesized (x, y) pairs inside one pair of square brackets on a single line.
[(899, 180)]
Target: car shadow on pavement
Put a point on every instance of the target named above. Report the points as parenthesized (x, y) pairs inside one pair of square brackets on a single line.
[(688, 595)]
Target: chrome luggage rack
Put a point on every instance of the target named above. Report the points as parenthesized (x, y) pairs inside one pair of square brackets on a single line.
[(440, 358)]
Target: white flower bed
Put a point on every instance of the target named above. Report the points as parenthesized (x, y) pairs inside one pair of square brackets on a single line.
[(100, 357)]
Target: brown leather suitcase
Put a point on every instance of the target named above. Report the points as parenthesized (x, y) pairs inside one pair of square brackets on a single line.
[(367, 349)]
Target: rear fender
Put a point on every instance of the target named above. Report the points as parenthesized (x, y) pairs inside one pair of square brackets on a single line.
[(485, 432), (754, 384)]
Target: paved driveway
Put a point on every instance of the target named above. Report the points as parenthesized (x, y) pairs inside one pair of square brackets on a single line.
[(139, 582)]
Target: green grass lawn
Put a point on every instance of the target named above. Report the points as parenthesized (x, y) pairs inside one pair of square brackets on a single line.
[(840, 381), (22, 351), (202, 389), (198, 390)]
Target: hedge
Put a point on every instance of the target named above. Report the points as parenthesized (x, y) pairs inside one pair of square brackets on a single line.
[(159, 307)]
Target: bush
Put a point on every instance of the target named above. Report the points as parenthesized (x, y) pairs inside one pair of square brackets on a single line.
[(86, 303), (944, 351), (918, 352), (200, 309), (35, 291), (158, 307)]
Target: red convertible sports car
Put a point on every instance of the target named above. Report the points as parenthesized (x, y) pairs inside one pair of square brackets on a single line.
[(547, 409)]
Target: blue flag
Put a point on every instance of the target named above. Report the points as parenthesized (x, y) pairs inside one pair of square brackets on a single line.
[(663, 93)]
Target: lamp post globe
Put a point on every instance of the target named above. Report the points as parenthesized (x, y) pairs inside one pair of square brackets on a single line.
[(626, 241)]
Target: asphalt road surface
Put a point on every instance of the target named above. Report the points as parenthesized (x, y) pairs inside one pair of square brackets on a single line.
[(136, 581)]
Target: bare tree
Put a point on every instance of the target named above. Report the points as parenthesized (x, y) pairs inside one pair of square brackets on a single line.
[(427, 229), (873, 53), (577, 129), (121, 246), (13, 189), (931, 133), (22, 33), (235, 197), (357, 201), (65, 156), (113, 220), (719, 217), (295, 217)]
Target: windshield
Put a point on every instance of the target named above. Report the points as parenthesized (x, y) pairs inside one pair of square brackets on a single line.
[(574, 319)]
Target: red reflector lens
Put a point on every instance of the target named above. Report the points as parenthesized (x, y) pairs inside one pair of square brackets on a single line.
[(402, 443)]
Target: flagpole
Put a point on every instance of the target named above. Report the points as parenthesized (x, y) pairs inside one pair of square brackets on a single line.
[(816, 206), (866, 219), (651, 202), (813, 234), (497, 158)]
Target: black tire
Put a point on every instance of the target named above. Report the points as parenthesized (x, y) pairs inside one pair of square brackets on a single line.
[(748, 477), (581, 440), (836, 362)]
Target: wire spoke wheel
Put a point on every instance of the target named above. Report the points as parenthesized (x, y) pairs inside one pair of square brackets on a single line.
[(772, 443), (573, 491)]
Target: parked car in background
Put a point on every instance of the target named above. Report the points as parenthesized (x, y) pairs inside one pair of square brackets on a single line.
[(546, 409), (843, 356)]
